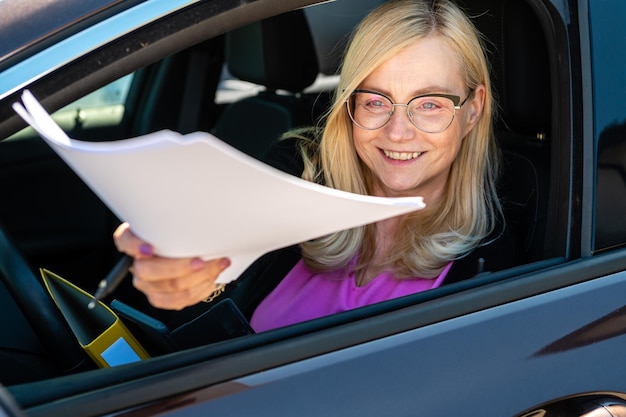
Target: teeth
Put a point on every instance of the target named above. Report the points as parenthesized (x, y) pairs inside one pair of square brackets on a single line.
[(402, 156)]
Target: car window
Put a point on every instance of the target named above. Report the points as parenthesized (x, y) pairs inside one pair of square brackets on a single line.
[(103, 107), (609, 85), (100, 109), (111, 94)]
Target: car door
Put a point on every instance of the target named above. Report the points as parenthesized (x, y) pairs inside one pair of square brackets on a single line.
[(537, 340)]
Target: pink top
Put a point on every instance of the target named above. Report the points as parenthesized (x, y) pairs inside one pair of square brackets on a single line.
[(304, 295)]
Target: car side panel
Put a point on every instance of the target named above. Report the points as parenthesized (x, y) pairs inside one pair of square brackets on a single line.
[(497, 362)]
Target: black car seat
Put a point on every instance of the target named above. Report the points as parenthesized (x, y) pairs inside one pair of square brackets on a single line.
[(37, 342), (277, 53), (518, 54)]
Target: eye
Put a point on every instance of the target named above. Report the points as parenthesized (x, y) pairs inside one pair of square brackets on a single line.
[(430, 104), (373, 102)]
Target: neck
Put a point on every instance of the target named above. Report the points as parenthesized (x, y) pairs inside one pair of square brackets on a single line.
[(385, 232)]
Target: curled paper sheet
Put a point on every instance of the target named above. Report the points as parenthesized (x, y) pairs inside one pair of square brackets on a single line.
[(194, 195)]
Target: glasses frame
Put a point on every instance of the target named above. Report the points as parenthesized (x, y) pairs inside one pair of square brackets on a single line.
[(456, 100)]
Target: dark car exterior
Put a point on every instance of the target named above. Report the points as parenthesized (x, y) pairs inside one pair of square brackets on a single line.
[(543, 339)]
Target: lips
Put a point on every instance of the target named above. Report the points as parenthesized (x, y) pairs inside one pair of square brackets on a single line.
[(401, 156)]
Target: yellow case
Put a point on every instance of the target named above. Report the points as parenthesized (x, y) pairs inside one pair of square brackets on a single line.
[(99, 330)]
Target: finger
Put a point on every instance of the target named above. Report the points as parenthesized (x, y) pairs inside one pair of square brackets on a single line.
[(181, 299), (126, 241), (171, 276), (175, 285), (160, 268)]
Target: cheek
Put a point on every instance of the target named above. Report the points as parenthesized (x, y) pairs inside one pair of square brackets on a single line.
[(359, 137), (449, 147), (465, 127), (362, 143)]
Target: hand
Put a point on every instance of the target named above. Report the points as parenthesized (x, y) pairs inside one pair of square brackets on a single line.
[(169, 283)]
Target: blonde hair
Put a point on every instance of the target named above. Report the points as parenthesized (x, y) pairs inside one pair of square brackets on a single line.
[(469, 210)]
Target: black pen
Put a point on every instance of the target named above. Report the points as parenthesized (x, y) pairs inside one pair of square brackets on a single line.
[(115, 278)]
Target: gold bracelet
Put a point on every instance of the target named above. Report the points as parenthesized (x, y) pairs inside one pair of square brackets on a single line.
[(219, 289)]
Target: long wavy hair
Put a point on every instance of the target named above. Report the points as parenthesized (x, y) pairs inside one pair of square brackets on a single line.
[(469, 210)]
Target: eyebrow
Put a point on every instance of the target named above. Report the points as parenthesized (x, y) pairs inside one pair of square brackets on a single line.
[(422, 91)]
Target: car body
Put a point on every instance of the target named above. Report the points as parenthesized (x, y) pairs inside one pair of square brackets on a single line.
[(543, 339)]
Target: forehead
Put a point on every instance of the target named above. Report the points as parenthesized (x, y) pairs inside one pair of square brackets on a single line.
[(427, 65)]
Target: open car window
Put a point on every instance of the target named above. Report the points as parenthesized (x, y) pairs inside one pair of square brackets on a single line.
[(195, 89)]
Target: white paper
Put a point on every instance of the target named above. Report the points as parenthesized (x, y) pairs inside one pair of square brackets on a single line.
[(194, 195)]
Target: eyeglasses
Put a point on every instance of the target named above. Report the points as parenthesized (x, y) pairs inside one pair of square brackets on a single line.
[(431, 113)]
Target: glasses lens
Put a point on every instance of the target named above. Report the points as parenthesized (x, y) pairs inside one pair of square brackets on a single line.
[(369, 110), (431, 113)]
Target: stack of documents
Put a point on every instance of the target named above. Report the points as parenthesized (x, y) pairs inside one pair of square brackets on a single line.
[(194, 195)]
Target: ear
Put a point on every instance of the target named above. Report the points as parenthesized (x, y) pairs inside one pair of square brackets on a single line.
[(474, 108)]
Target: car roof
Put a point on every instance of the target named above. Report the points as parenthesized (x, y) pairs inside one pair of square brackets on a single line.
[(24, 24)]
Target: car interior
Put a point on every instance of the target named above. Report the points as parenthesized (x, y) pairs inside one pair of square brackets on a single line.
[(53, 220)]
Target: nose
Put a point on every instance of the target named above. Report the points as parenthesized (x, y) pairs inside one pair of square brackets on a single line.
[(400, 127)]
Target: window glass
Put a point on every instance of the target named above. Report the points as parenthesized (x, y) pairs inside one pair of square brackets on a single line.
[(608, 50), (103, 107), (109, 95), (99, 109)]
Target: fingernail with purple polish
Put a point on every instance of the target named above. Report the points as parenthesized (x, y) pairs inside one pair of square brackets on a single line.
[(197, 263), (146, 249)]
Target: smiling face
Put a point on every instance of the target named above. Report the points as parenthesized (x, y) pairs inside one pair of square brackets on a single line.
[(403, 160)]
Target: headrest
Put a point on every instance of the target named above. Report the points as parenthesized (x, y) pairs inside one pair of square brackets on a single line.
[(518, 55), (277, 53)]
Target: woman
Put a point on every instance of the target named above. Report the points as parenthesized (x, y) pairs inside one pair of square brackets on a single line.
[(412, 116)]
